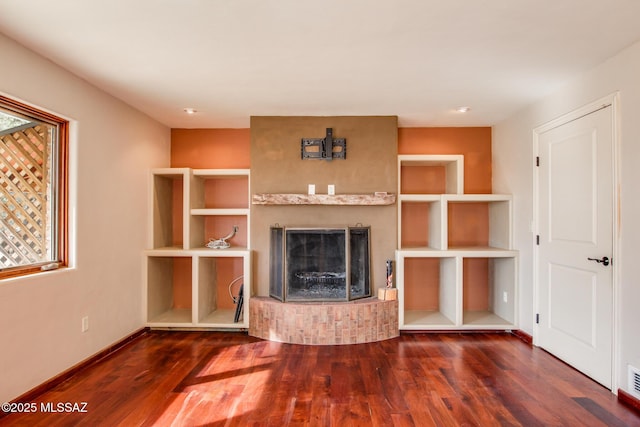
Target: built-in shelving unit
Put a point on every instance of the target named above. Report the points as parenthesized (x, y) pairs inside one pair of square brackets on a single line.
[(189, 285), (456, 268)]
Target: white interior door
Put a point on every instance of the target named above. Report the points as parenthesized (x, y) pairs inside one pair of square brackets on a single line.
[(575, 225)]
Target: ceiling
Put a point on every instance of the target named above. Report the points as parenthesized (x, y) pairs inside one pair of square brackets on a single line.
[(232, 59)]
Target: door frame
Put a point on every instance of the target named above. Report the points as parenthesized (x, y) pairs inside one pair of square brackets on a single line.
[(613, 101)]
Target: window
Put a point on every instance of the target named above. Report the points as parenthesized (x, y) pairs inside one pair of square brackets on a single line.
[(33, 189)]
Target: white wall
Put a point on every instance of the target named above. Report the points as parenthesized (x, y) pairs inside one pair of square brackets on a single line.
[(112, 148), (513, 173)]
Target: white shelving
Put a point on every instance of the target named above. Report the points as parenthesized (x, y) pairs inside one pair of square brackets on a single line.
[(219, 200), (186, 282), (162, 306), (426, 166), (455, 267), (434, 231), (168, 186)]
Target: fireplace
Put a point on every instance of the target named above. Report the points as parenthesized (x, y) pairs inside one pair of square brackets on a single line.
[(319, 264)]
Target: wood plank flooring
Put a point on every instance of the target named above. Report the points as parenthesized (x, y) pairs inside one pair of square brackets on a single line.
[(230, 379)]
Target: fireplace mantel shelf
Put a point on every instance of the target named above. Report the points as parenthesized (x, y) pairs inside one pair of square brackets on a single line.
[(324, 199)]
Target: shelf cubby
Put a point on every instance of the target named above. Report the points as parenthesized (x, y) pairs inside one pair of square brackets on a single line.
[(489, 291), (217, 272), (478, 221), (169, 290), (431, 174), (220, 189), (421, 222), (206, 227), (169, 198), (428, 290), (219, 200)]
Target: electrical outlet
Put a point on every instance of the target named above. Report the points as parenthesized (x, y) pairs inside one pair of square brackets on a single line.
[(505, 296), (85, 324)]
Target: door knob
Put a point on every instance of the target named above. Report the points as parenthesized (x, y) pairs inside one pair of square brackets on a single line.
[(604, 261)]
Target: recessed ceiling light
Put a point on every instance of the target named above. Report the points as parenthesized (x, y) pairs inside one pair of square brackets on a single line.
[(463, 109), (190, 110)]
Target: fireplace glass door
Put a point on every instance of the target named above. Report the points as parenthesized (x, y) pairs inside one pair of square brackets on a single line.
[(319, 264)]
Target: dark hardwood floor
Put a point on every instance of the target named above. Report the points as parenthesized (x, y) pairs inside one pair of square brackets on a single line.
[(220, 379)]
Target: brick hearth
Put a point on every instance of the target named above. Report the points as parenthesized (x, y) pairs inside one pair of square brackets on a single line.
[(355, 322)]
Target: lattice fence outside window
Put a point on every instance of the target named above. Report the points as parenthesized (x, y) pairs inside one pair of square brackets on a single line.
[(28, 191)]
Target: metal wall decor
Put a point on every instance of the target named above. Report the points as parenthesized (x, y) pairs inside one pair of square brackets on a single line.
[(326, 148), (222, 243)]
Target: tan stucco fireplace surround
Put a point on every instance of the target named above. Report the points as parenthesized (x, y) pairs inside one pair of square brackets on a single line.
[(277, 169)]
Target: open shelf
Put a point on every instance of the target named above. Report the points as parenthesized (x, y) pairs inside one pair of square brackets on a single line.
[(220, 189), (428, 290), (484, 320), (219, 275), (454, 221), (431, 174), (489, 292), (423, 319), (172, 317), (168, 202), (219, 200), (421, 222), (186, 282), (222, 317), (478, 220), (169, 291), (208, 227), (192, 288), (456, 289), (454, 265)]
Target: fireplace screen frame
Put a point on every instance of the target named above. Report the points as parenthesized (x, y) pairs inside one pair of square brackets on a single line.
[(284, 284)]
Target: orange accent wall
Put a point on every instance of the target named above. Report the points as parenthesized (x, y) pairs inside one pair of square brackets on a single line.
[(226, 193), (472, 142), (424, 274), (227, 269), (415, 226), (475, 284), (423, 180), (182, 283), (210, 148), (468, 225)]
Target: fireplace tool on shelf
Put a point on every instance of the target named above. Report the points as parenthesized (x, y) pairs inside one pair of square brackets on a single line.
[(222, 243)]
